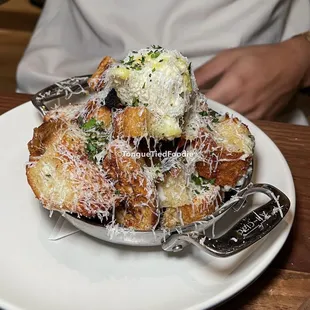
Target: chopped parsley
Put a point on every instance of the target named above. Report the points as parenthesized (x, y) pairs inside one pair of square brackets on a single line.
[(156, 47), (135, 101), (96, 136), (91, 148), (208, 126), (89, 124), (200, 181), (136, 63), (196, 179), (212, 115), (212, 181), (155, 54), (204, 113)]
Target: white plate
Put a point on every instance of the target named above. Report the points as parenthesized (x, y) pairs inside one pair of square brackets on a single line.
[(80, 272)]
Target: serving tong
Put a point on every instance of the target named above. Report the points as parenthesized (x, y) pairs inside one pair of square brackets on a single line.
[(248, 230)]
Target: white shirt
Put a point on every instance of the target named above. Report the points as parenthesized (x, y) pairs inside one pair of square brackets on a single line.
[(72, 36)]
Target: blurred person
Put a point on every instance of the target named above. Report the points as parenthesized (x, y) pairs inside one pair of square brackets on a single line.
[(244, 52)]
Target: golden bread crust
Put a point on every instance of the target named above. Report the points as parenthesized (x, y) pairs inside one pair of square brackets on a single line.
[(138, 192), (96, 82), (131, 122), (100, 113), (187, 214), (61, 175)]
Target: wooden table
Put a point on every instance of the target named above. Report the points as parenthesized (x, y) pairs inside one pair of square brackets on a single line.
[(286, 283)]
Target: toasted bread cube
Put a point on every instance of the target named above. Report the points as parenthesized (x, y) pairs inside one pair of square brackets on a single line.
[(163, 127), (100, 113), (231, 168), (137, 217), (234, 136), (227, 155), (60, 174), (183, 206), (187, 214), (96, 82), (139, 193), (131, 122), (173, 191)]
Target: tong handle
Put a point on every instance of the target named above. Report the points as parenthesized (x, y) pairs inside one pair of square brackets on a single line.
[(57, 90), (250, 229)]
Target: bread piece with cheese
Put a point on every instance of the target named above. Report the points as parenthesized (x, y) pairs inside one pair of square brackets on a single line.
[(61, 175), (96, 82), (173, 192), (100, 113), (137, 217), (227, 151), (187, 214), (139, 209), (72, 113), (184, 201), (132, 122)]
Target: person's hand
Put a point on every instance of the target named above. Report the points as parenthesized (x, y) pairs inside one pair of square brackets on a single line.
[(257, 81)]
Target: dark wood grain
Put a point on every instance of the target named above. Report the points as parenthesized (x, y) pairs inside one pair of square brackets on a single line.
[(276, 289), (9, 101), (294, 143), (286, 283)]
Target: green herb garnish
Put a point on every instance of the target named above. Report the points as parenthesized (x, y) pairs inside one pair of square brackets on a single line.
[(89, 124), (200, 181), (135, 101), (204, 113), (196, 179), (212, 181), (96, 135), (156, 47), (208, 126), (155, 54), (91, 149)]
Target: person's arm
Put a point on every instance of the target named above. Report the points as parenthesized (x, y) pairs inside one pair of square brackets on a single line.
[(258, 81), (302, 42)]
